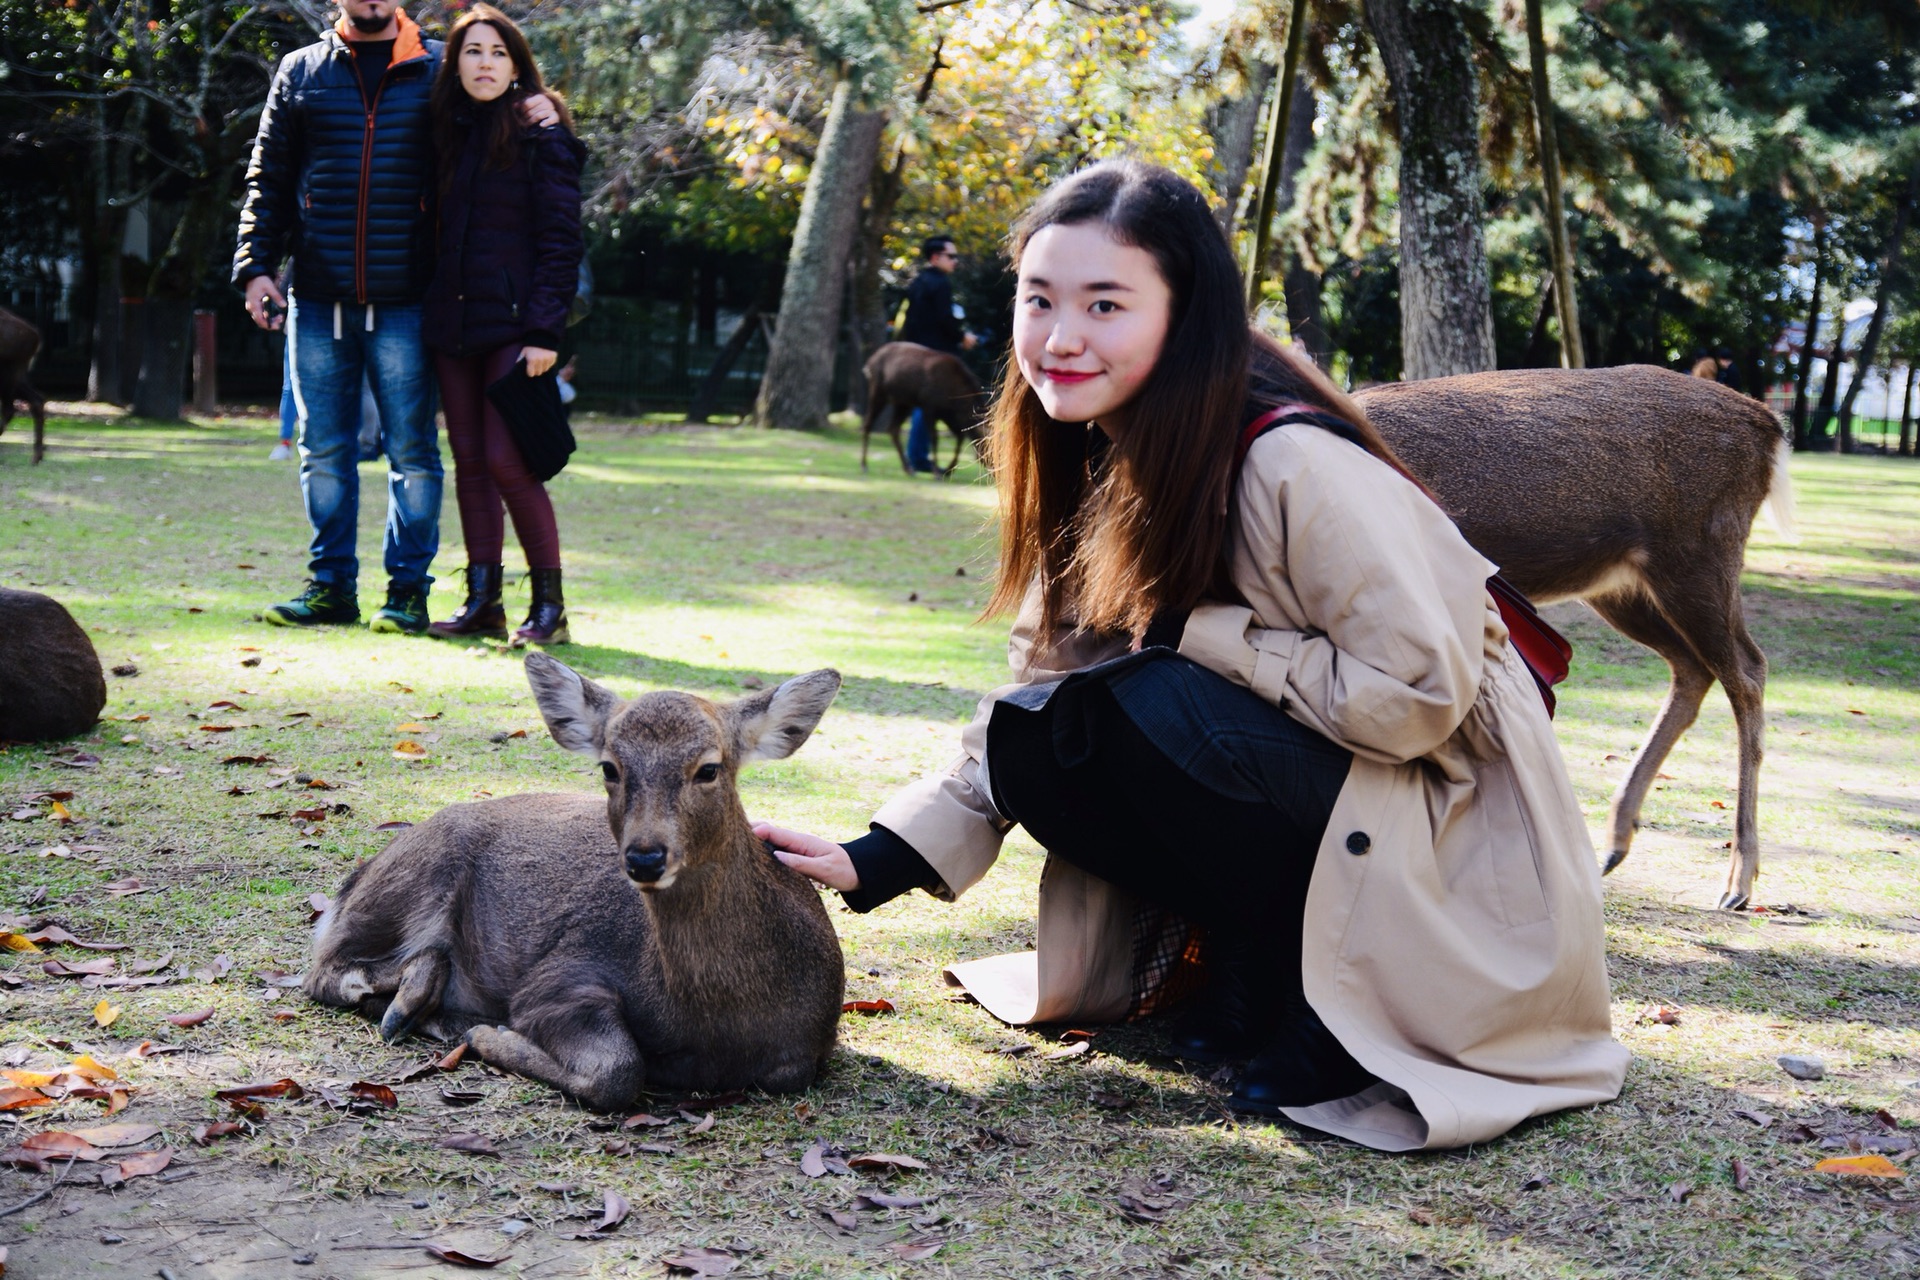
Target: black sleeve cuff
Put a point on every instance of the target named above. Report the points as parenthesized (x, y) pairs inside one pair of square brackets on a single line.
[(545, 338), (887, 866)]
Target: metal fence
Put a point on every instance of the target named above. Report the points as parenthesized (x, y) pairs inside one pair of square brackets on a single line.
[(636, 355)]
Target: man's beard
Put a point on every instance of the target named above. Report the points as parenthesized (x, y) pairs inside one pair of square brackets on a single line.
[(372, 26)]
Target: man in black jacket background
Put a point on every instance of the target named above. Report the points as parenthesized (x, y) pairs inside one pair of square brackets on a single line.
[(342, 182), (932, 320)]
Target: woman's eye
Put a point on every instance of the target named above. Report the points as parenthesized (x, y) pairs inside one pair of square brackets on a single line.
[(1039, 303), (608, 772), (1105, 307), (706, 773)]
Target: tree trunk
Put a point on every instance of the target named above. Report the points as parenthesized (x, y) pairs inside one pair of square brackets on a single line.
[(103, 370), (1891, 276), (1273, 161), (1830, 389), (1547, 145), (1906, 414), (1537, 337), (888, 181), (799, 376), (708, 395), (1301, 284), (1446, 301), (197, 237), (1233, 123), (1803, 378)]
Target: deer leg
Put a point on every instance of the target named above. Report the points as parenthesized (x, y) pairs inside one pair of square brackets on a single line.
[(423, 979), (1635, 616), (1714, 622), (957, 442), (571, 1036), (874, 405), (37, 403)]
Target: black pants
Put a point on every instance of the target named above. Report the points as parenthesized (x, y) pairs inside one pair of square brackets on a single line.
[(1226, 837)]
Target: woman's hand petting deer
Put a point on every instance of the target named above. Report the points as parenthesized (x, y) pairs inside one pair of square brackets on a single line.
[(1263, 714)]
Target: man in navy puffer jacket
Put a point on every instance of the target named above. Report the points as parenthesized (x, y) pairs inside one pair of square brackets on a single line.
[(341, 180)]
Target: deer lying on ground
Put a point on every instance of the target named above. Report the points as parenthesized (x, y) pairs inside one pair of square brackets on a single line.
[(675, 953), (904, 376), (1634, 489), (19, 344)]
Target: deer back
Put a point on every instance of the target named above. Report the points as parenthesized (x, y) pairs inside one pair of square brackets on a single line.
[(1566, 477)]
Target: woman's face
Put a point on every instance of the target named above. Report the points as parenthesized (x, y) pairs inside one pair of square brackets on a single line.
[(1089, 319), (486, 68)]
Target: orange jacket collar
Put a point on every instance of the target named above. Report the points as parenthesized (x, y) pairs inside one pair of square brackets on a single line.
[(407, 45)]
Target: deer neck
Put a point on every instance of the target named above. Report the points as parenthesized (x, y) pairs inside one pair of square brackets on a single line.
[(705, 924)]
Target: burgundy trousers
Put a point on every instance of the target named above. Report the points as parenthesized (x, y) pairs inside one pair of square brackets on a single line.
[(487, 469)]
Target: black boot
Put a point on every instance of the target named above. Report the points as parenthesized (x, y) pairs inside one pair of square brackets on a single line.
[(1303, 1064), (547, 617), (482, 614), (1231, 1018)]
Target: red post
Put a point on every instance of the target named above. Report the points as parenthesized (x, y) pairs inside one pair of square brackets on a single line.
[(205, 389)]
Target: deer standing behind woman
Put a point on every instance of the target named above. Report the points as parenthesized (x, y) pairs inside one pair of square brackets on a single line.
[(677, 954)]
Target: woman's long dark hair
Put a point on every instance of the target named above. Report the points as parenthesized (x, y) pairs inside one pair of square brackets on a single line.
[(452, 111), (1116, 534)]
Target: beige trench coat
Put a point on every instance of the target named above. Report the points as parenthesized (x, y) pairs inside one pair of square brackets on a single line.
[(1453, 930)]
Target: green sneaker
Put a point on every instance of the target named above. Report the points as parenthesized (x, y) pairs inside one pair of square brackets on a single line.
[(321, 602), (405, 610)]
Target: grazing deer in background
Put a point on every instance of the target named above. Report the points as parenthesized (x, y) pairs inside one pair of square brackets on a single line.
[(1634, 489), (676, 953), (904, 376), (19, 344)]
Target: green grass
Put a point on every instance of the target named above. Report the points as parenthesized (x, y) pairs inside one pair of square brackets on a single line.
[(699, 558)]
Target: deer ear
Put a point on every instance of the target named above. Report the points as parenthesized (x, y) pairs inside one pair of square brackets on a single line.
[(576, 709), (772, 725)]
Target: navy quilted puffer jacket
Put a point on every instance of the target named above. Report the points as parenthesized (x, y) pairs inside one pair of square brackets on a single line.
[(509, 244), (342, 184)]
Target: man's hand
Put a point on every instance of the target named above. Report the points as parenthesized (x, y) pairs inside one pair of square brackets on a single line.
[(538, 359), (537, 111), (969, 342), (259, 290), (812, 856)]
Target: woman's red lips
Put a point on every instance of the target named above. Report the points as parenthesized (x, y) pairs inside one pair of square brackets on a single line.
[(1067, 375)]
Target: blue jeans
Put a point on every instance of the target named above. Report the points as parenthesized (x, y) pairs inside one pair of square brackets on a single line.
[(289, 415), (328, 371), (920, 442)]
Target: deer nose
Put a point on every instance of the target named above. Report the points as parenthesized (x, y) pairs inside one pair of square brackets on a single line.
[(644, 866)]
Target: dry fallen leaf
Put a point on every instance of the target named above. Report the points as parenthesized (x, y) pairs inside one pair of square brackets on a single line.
[(1078, 1049), (813, 1160), (378, 1094), (106, 1014), (219, 967), (408, 749), (148, 1049), (1869, 1166), (883, 1160), (16, 942), (914, 1250), (700, 1262), (86, 1065), (117, 1135), (192, 1019), (138, 1165), (282, 1088), (447, 1253), (77, 968), (206, 1133), (867, 1006), (614, 1211), (472, 1143), (1739, 1174), (452, 1058), (58, 1142), (881, 1200), (643, 1120)]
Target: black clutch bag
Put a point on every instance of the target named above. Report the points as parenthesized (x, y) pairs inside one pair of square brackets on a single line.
[(534, 418)]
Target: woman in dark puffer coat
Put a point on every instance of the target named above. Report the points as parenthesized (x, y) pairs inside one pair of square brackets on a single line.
[(508, 261)]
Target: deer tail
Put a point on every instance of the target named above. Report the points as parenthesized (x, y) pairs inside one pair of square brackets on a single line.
[(1779, 501)]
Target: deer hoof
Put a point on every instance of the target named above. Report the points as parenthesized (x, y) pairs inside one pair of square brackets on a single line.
[(1734, 900), (397, 1023), (1614, 859)]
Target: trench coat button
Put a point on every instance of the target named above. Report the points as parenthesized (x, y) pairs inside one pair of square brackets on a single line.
[(1359, 842)]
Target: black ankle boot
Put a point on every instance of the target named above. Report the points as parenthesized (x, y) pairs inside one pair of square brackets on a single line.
[(482, 614), (1304, 1063), (547, 617), (1230, 1019)]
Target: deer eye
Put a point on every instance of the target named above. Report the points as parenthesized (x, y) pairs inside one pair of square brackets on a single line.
[(608, 772), (706, 773)]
